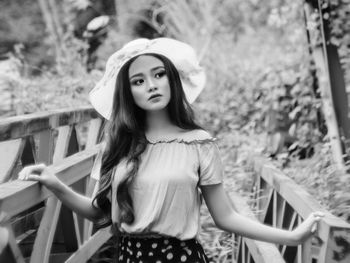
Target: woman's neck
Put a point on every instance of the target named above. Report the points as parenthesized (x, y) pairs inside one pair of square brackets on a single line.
[(159, 124), (158, 120)]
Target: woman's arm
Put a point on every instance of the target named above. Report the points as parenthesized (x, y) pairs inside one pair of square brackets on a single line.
[(80, 204), (226, 218)]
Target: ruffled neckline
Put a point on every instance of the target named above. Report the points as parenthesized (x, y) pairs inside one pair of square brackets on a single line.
[(184, 141)]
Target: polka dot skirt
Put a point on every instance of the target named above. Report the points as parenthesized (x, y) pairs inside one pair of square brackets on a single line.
[(159, 250)]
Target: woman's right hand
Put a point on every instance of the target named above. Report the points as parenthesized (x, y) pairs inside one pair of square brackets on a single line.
[(40, 173)]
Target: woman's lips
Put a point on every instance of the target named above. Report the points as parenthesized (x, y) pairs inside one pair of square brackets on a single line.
[(154, 96)]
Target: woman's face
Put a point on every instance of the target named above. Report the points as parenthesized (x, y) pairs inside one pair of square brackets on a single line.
[(149, 83)]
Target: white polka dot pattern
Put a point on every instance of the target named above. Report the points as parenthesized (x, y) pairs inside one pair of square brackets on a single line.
[(160, 250)]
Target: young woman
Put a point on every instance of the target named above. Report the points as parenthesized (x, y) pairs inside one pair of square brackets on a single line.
[(156, 159)]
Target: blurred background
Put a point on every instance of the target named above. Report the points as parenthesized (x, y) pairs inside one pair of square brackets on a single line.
[(250, 49), (265, 90)]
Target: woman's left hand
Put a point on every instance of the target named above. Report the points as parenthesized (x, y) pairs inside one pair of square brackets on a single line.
[(307, 228)]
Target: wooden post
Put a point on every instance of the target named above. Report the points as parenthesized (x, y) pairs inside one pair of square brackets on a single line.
[(336, 74), (320, 57), (46, 231), (51, 25)]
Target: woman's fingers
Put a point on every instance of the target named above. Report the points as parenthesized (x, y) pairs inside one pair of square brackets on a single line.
[(314, 228), (34, 177), (309, 226), (318, 214), (41, 173), (31, 172), (315, 217)]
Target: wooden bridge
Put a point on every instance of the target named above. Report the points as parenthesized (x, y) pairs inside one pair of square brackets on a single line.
[(35, 227)]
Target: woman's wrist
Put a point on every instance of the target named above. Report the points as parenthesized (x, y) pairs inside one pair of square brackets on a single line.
[(58, 187), (294, 237), (298, 237)]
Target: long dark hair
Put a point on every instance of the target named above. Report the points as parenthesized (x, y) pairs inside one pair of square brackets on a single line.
[(125, 136)]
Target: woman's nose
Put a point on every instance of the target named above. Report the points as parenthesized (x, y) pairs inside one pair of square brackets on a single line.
[(151, 84)]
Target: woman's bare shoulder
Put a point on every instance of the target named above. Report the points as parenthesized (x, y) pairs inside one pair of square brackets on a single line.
[(197, 134)]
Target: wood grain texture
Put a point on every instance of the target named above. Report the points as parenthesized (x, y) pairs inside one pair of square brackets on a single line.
[(25, 125), (291, 204), (17, 196), (262, 252)]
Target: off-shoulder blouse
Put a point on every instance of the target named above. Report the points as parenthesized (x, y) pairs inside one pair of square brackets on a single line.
[(165, 192)]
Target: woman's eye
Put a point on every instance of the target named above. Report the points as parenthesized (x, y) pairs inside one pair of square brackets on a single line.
[(137, 82), (160, 74)]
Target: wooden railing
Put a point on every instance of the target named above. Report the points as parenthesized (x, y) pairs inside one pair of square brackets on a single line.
[(248, 250), (35, 227), (280, 202)]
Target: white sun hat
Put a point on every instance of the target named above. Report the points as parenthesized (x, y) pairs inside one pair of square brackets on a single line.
[(180, 54)]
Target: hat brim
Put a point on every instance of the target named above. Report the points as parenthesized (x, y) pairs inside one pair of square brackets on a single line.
[(183, 57)]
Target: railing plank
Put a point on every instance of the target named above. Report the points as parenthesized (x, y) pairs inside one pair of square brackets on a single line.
[(304, 255), (17, 196), (295, 195), (77, 231), (4, 238), (262, 252), (43, 241), (45, 147), (90, 247), (69, 224), (94, 131), (333, 232), (9, 153), (274, 207), (61, 147), (29, 124), (14, 247), (335, 247), (46, 231), (281, 208)]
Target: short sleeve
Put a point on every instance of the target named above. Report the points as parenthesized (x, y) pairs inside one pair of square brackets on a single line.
[(210, 164)]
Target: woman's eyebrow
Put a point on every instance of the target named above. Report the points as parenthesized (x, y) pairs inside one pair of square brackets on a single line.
[(136, 75), (158, 67), (141, 74)]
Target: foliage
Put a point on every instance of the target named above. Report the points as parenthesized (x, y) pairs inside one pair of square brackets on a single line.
[(16, 27), (47, 82), (61, 86), (21, 25)]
